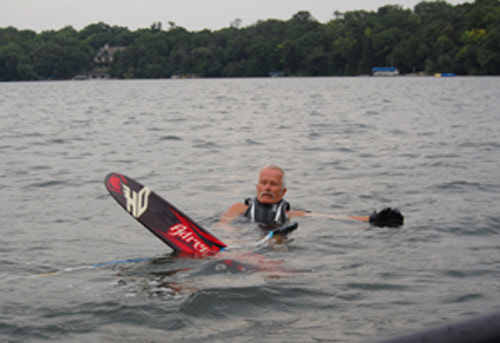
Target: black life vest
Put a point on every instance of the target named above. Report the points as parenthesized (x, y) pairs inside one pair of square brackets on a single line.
[(267, 214)]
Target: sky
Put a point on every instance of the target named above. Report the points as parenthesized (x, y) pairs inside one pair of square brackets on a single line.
[(193, 15)]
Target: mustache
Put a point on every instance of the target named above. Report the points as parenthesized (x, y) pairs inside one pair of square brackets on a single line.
[(267, 193)]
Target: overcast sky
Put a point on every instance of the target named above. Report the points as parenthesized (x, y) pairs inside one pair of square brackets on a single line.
[(194, 15)]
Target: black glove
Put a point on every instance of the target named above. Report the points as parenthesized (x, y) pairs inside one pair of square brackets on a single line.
[(387, 217)]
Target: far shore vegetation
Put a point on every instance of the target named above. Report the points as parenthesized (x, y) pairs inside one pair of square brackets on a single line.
[(433, 37)]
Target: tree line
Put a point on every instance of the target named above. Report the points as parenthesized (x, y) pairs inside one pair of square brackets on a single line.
[(433, 37)]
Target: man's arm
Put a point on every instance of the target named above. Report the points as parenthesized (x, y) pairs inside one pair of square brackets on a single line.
[(386, 217), (293, 214), (233, 212)]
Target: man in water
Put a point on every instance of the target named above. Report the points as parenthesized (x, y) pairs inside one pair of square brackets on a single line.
[(268, 208)]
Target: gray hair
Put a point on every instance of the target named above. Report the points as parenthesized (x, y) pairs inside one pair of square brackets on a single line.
[(276, 167)]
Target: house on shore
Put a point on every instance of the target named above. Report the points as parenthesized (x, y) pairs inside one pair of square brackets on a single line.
[(102, 60), (104, 56)]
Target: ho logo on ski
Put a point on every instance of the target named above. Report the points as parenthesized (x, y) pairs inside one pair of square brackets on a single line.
[(137, 202)]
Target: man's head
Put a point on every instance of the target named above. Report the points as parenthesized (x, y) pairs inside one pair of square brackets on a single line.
[(271, 185)]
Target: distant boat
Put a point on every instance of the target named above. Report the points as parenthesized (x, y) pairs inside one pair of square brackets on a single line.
[(81, 77), (444, 74), (276, 73), (385, 71)]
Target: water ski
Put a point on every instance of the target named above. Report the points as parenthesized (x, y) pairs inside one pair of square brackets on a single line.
[(161, 218)]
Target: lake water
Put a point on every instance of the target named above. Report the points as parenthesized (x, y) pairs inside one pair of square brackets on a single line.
[(428, 146)]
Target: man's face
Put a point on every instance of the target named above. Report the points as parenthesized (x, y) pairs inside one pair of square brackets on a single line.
[(270, 187)]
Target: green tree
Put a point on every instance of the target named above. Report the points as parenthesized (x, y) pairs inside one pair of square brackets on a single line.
[(14, 65), (435, 36), (61, 58)]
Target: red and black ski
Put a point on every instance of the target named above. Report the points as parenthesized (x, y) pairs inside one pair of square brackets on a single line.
[(161, 218)]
